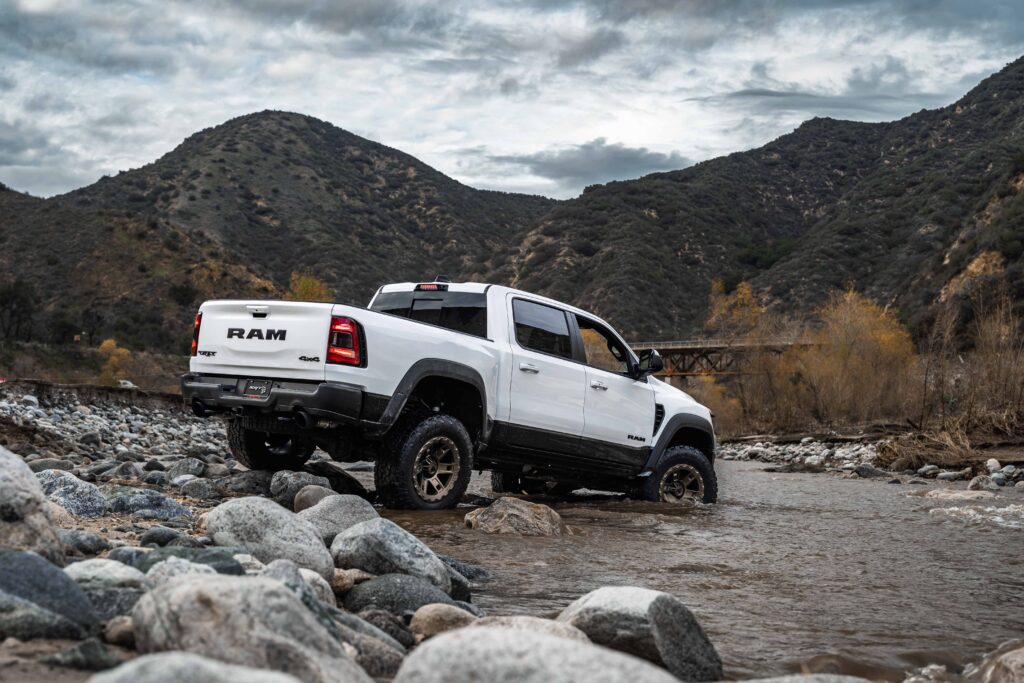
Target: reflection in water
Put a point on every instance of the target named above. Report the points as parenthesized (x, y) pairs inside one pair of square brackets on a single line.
[(788, 572)]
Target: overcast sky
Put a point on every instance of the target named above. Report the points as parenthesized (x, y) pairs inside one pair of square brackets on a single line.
[(542, 96)]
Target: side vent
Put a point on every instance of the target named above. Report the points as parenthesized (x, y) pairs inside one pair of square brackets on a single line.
[(659, 416)]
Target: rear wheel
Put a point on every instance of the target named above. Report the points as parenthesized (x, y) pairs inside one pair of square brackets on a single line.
[(425, 463), (267, 451), (684, 475)]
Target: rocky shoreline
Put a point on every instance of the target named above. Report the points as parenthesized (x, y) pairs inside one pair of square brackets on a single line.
[(134, 548)]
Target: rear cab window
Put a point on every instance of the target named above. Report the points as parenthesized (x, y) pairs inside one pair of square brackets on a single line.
[(464, 312), (542, 328)]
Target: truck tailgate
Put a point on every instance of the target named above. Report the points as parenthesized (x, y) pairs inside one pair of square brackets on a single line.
[(263, 339)]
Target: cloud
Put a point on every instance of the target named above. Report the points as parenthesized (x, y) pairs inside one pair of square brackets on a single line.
[(592, 162), (48, 102), (590, 48)]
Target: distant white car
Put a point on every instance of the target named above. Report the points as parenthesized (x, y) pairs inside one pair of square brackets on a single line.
[(127, 384), (435, 379)]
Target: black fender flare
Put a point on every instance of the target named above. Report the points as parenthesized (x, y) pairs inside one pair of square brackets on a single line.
[(669, 431), (434, 367)]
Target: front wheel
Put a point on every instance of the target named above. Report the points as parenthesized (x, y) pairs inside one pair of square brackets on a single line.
[(683, 475), (425, 464)]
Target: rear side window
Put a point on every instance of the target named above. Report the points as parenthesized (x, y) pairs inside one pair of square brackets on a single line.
[(464, 312), (541, 328)]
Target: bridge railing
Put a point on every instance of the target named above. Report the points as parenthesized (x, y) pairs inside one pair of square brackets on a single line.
[(705, 343)]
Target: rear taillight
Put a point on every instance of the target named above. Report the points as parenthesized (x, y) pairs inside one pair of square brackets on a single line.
[(195, 333), (343, 347)]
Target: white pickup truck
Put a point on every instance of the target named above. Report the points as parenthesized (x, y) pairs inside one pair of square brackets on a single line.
[(435, 379)]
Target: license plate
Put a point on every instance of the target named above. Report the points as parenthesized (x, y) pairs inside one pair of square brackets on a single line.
[(257, 388)]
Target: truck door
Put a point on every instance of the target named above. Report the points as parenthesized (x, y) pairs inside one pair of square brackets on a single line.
[(619, 410), (548, 386)]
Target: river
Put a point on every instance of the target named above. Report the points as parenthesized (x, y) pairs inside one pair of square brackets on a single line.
[(787, 573)]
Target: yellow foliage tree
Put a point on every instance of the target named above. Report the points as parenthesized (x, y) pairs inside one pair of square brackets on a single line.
[(307, 287), (116, 360), (735, 315)]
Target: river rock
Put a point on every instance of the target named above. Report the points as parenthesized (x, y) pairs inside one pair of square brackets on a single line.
[(436, 618), (956, 475), (222, 560), (649, 624), (501, 655), (202, 489), (319, 585), (470, 571), (25, 522), (395, 593), (308, 496), (340, 480), (394, 626), (144, 503), (928, 471), (869, 472), (193, 466), (89, 655), (159, 535), (105, 573), (120, 631), (50, 464), (284, 485), (83, 542), (38, 600), (535, 625), (173, 568), (1007, 668), (251, 482), (514, 516), (982, 482), (251, 620), (810, 678), (187, 668), (992, 465), (953, 494), (335, 513), (379, 546), (267, 531)]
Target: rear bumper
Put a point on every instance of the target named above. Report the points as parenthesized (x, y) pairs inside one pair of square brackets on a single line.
[(209, 394)]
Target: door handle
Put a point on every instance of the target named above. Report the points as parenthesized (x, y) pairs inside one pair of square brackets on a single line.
[(598, 384), (529, 367)]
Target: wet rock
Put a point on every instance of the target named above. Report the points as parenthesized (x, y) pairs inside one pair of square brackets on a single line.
[(471, 608), (336, 513), (395, 593), (430, 620), (192, 466), (251, 620), (998, 478), (1007, 668), (475, 654), (649, 624), (379, 546), (308, 496), (78, 497), (174, 568), (268, 532), (142, 503), (535, 625), (202, 489), (515, 516), (982, 483), (390, 624), (51, 464), (25, 521), (252, 482), (83, 542), (470, 571), (869, 472), (340, 480), (460, 590), (954, 475), (38, 600), (187, 668), (89, 655), (222, 560), (159, 535), (120, 631), (284, 485)]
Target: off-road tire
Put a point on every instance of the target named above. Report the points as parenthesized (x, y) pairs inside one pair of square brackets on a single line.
[(253, 449), (394, 473), (690, 459)]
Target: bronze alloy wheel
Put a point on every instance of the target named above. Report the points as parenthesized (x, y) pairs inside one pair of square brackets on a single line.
[(436, 468), (682, 483)]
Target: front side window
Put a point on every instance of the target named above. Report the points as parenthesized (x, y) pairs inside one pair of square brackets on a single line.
[(541, 328), (602, 349), (464, 312)]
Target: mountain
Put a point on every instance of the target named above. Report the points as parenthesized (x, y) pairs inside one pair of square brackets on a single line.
[(913, 212)]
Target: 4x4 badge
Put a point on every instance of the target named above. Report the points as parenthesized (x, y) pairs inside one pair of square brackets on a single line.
[(310, 359)]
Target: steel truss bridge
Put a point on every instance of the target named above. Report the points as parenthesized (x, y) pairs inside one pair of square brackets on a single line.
[(693, 357)]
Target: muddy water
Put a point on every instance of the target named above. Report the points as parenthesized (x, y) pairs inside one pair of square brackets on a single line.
[(788, 572)]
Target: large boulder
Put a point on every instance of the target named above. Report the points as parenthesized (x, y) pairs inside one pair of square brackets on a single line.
[(78, 497), (515, 516), (379, 546), (285, 484), (395, 593), (38, 600), (268, 532), (501, 655), (242, 620), (187, 668), (649, 624), (336, 513), (25, 522)]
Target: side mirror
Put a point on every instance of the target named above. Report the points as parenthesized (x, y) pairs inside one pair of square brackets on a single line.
[(650, 363)]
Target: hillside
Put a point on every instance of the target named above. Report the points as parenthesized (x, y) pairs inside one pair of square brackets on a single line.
[(912, 212)]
